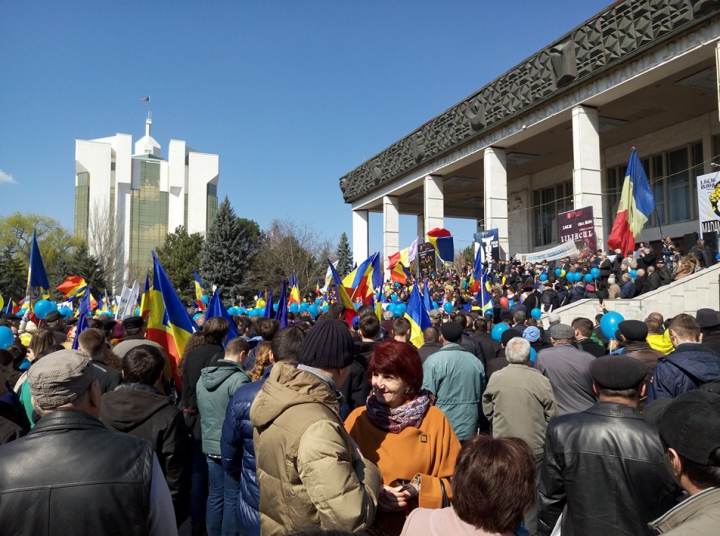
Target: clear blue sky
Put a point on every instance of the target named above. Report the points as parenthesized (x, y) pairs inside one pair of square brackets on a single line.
[(291, 95)]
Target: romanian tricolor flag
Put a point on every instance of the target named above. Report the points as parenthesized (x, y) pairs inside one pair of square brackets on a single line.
[(146, 298), (484, 297), (73, 286), (199, 291), (343, 297), (398, 274), (294, 296), (442, 241), (418, 317), (364, 279), (168, 324), (636, 204)]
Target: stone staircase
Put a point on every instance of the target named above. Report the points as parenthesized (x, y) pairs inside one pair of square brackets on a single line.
[(694, 292)]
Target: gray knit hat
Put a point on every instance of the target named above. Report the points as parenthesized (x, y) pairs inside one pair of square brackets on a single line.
[(328, 345), (60, 377)]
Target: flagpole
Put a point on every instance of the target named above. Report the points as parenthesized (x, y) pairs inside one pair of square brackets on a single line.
[(659, 224)]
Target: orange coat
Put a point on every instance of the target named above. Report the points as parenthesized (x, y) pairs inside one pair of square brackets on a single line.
[(430, 451)]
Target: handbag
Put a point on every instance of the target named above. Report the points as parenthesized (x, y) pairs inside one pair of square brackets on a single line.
[(445, 498)]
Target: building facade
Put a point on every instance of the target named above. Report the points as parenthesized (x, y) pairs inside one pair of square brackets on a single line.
[(555, 133), (129, 200)]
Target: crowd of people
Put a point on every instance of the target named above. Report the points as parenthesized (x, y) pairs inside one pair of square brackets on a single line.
[(499, 423)]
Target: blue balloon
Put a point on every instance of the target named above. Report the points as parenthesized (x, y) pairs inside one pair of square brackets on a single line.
[(66, 312), (543, 277), (137, 311), (435, 305), (533, 354), (313, 310), (6, 338), (498, 330), (391, 307), (397, 313), (401, 307), (325, 308), (303, 306), (196, 316), (633, 274), (294, 307), (595, 272), (232, 311), (588, 278), (275, 306), (397, 285), (43, 308), (717, 257), (609, 323), (536, 313), (448, 307), (205, 300), (394, 298), (558, 271)]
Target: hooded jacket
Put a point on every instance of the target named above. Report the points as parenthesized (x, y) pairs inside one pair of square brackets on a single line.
[(140, 410), (216, 385), (310, 472), (688, 367)]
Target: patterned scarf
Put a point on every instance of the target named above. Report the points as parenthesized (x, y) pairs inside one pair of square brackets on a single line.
[(396, 420)]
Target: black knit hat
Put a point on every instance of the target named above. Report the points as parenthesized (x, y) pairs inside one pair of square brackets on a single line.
[(328, 345), (451, 331)]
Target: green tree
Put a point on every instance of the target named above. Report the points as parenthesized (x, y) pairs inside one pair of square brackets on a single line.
[(344, 256), (87, 266), (13, 279), (467, 255), (179, 256), (228, 251)]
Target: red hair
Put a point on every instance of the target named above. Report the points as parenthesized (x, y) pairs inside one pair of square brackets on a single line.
[(400, 359)]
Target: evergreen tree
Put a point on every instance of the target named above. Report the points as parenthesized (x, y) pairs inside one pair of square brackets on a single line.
[(179, 256), (344, 256), (13, 278), (228, 251), (87, 266)]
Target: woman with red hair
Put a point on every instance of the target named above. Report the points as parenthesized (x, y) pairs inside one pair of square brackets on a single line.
[(405, 435)]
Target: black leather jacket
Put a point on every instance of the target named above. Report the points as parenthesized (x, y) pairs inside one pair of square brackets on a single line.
[(71, 475), (606, 464)]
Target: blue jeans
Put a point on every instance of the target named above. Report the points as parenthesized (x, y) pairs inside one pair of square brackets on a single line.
[(199, 490), (222, 499)]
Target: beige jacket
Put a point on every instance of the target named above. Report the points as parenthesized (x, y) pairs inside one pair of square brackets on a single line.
[(519, 402), (310, 473), (698, 515)]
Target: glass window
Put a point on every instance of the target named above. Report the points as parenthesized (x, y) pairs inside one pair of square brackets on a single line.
[(212, 205), (548, 202), (148, 214), (82, 204)]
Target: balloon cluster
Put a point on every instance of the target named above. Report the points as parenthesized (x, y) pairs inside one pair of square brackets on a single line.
[(43, 308)]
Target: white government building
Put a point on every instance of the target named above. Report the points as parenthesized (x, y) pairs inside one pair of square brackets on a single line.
[(555, 133), (146, 196)]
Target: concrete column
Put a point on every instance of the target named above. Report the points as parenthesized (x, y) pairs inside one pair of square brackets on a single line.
[(434, 203), (361, 235), (496, 204), (421, 228), (587, 172), (391, 228)]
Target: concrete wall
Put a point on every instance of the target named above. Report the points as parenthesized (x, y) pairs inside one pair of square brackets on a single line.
[(695, 292)]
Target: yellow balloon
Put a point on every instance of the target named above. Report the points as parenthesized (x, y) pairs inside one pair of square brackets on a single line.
[(562, 273)]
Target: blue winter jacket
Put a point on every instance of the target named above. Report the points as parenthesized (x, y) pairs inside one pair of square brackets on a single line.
[(689, 366), (238, 455)]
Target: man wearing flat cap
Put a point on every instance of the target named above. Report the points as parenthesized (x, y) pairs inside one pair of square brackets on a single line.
[(70, 474), (633, 333), (605, 465), (54, 322), (690, 435), (688, 367), (457, 378), (310, 472), (568, 370)]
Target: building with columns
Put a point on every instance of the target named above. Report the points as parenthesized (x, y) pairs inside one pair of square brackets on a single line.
[(137, 198), (555, 132)]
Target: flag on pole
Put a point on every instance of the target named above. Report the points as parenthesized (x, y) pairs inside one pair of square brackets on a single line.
[(343, 296), (269, 313), (199, 291), (281, 313), (427, 299), (37, 283), (145, 99), (73, 286), (399, 274), (636, 204), (82, 323), (483, 296), (168, 324), (418, 317), (216, 308), (442, 241), (146, 298), (364, 279), (294, 296)]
